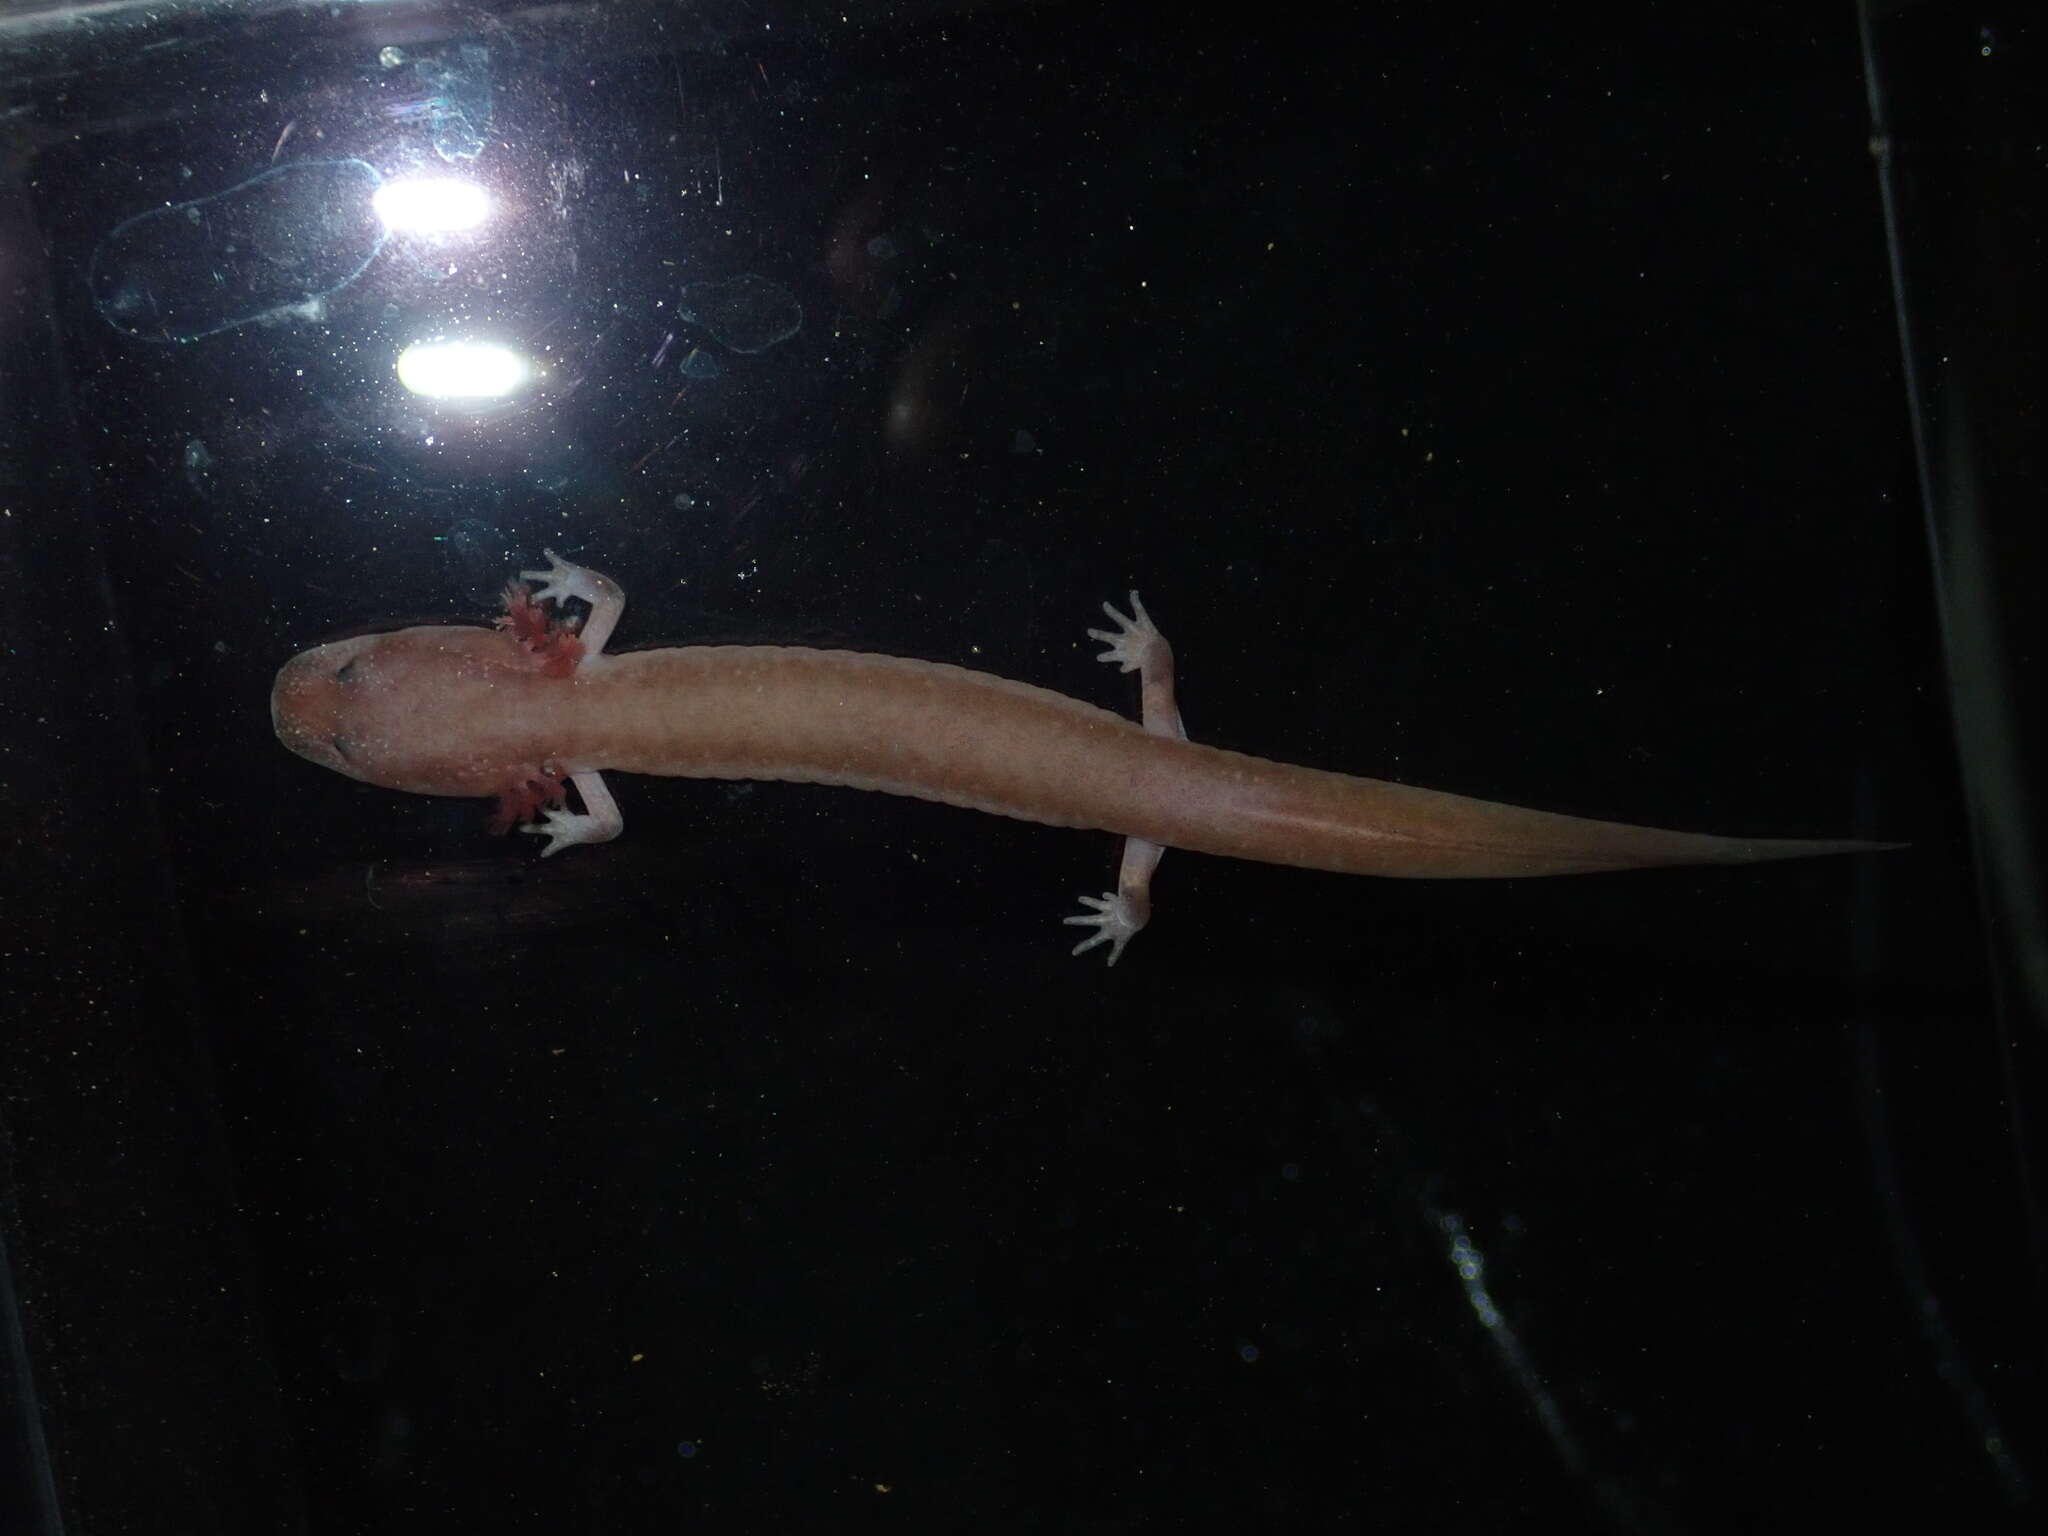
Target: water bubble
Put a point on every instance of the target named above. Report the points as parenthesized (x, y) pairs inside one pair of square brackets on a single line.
[(460, 109), (269, 248), (748, 313), (474, 557), (199, 470), (699, 364)]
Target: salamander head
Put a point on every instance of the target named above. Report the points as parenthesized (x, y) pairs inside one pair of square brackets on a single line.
[(309, 704), (435, 710)]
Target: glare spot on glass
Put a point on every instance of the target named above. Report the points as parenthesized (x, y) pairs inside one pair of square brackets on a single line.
[(431, 205), (462, 370)]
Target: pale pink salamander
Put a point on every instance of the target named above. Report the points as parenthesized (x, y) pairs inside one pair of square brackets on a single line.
[(517, 710)]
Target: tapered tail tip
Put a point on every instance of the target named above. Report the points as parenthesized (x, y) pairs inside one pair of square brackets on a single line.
[(1762, 850)]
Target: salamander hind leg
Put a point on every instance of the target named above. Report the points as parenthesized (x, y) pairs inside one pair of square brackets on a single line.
[(1135, 645), (1116, 916)]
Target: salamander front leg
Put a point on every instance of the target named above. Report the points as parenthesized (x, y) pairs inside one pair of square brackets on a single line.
[(598, 822), (1135, 645), (606, 598)]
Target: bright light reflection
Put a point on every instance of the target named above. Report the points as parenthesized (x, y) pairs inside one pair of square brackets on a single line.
[(462, 370), (431, 205)]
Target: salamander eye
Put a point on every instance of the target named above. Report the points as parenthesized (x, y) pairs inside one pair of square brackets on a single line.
[(341, 673), (340, 746)]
